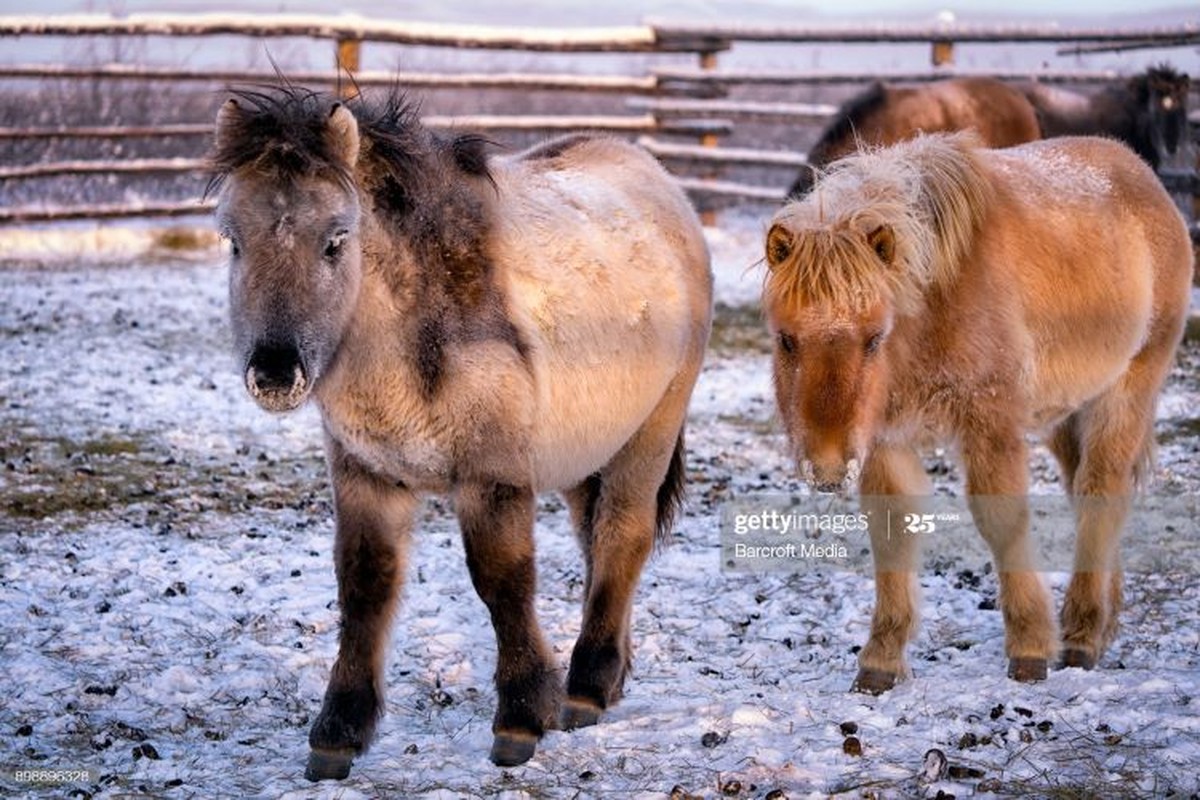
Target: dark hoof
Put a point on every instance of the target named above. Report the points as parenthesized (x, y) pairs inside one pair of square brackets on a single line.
[(1027, 670), (511, 749), (328, 765), (873, 681), (578, 714), (1075, 657)]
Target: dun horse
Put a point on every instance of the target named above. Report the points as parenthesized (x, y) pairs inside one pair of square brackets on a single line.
[(485, 327), (885, 114), (1148, 112), (937, 289)]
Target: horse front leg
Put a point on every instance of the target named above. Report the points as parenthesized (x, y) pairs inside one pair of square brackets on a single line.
[(497, 528), (995, 461), (374, 521), (893, 483)]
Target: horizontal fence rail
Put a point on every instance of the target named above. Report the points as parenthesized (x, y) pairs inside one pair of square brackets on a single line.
[(619, 84), (626, 39), (662, 102), (1157, 36)]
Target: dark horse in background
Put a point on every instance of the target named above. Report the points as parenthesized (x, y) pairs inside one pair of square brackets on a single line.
[(1148, 112), (886, 114)]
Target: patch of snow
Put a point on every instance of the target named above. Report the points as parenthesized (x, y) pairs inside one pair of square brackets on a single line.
[(168, 593)]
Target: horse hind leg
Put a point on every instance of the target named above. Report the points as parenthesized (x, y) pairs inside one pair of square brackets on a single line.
[(497, 528), (1117, 435), (619, 513)]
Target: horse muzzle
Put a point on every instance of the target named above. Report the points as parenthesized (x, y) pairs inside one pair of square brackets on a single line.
[(831, 478), (276, 377)]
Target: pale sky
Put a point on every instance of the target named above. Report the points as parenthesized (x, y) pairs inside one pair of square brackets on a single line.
[(528, 11)]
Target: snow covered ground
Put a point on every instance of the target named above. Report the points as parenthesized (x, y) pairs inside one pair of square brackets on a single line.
[(167, 592)]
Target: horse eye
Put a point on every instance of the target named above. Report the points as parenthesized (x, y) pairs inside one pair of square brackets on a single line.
[(235, 249), (873, 343), (333, 247), (787, 343)]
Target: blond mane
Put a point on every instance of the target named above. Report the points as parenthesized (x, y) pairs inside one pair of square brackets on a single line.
[(925, 199)]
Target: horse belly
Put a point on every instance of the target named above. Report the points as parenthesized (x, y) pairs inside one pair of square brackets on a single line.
[(604, 354), (1084, 339), (590, 410), (606, 273)]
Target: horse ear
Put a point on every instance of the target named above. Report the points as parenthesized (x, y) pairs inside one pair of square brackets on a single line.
[(342, 131), (779, 245), (228, 116), (883, 242)]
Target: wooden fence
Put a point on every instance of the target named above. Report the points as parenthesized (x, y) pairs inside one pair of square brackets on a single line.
[(683, 114)]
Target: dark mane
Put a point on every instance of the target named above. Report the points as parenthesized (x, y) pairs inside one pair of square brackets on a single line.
[(1158, 74), (848, 120), (277, 127), (844, 125), (405, 157), (414, 176), (283, 128)]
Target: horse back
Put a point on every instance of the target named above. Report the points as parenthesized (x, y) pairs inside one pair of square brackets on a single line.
[(999, 114), (606, 276)]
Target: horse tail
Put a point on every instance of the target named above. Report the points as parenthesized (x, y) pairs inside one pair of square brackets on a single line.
[(670, 493)]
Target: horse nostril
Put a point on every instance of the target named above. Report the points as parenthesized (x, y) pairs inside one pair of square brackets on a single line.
[(275, 368)]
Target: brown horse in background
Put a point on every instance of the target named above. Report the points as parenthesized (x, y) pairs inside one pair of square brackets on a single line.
[(885, 114), (487, 328), (1148, 112), (939, 290)]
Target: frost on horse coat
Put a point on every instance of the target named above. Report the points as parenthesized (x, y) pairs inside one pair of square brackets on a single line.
[(939, 290), (483, 327)]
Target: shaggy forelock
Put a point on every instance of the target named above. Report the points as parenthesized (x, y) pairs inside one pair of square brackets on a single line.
[(279, 129), (928, 192)]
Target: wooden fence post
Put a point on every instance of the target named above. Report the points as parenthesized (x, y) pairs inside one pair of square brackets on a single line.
[(943, 52), (349, 52), (708, 62)]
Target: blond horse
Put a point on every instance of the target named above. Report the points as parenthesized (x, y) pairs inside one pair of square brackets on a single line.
[(487, 328), (939, 289)]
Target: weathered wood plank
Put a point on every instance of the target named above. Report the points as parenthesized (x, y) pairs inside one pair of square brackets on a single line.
[(632, 38), (47, 169), (721, 155), (733, 108), (622, 84), (106, 131), (618, 123), (123, 211), (954, 32)]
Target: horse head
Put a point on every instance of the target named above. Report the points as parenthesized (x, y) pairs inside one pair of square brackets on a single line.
[(1162, 98), (843, 274), (284, 165), (830, 371)]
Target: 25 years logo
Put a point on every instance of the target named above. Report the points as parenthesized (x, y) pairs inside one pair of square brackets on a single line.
[(919, 523)]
